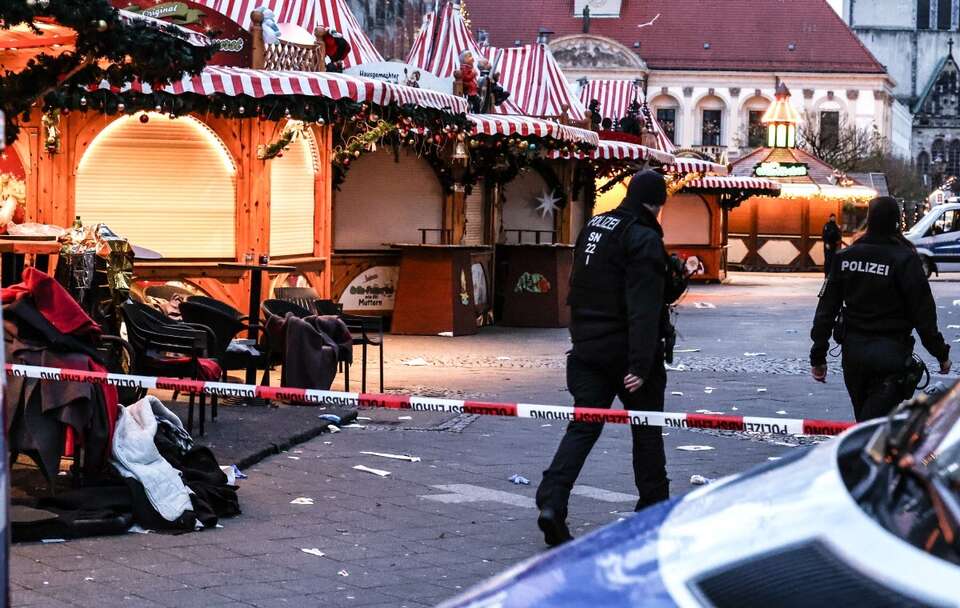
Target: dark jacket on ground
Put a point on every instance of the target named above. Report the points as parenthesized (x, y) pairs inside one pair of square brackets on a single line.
[(880, 282), (616, 291)]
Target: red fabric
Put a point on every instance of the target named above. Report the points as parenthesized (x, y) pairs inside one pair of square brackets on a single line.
[(209, 370), (743, 34), (53, 302), (111, 401)]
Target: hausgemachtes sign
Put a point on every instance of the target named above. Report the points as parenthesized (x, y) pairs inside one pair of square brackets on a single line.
[(397, 72), (776, 169)]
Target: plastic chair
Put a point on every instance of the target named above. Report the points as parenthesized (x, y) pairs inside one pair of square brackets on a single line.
[(305, 297), (280, 308), (166, 292), (367, 331), (224, 324), (163, 347)]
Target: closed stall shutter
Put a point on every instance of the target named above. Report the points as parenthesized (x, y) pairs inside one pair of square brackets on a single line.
[(168, 185), (292, 199), (384, 201), (686, 221), (474, 216)]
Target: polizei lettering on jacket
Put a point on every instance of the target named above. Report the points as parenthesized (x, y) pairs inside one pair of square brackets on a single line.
[(882, 270), (603, 222)]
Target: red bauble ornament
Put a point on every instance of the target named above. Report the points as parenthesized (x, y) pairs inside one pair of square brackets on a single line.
[(144, 118)]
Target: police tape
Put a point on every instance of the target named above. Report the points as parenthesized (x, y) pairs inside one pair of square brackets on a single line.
[(756, 424)]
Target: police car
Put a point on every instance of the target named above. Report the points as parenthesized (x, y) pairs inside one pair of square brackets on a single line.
[(937, 238), (869, 519)]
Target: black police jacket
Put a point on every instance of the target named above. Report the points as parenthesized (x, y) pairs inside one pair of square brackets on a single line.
[(831, 234), (617, 291), (880, 283)]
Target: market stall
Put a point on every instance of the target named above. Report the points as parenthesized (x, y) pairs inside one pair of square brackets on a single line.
[(784, 233), (244, 152)]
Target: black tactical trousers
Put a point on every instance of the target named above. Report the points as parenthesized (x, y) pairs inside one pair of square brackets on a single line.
[(872, 369), (596, 387), (828, 255)]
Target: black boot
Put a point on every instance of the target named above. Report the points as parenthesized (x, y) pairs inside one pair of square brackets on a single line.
[(554, 527)]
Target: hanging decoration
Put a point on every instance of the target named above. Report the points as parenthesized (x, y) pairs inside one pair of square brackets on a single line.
[(291, 132), (677, 182), (51, 130), (548, 204), (363, 141)]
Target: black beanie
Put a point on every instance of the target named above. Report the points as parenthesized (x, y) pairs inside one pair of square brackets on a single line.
[(646, 188), (883, 216)]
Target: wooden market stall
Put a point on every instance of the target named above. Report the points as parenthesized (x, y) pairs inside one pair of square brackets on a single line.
[(232, 165), (784, 233)]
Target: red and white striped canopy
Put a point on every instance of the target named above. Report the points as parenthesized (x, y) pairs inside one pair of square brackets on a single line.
[(498, 124), (714, 182), (307, 14), (623, 151), (442, 38), (615, 97), (190, 36), (535, 81), (696, 165), (237, 82)]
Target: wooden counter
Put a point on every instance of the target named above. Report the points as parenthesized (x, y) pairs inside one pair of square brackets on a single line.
[(435, 290), (533, 282)]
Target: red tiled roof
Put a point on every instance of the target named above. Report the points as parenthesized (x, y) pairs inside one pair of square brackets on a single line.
[(744, 35)]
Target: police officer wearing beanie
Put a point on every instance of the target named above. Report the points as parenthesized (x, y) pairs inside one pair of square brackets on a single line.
[(621, 285), (874, 297)]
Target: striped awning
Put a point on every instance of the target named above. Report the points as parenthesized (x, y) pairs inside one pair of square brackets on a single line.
[(715, 182), (306, 14), (623, 151), (188, 35), (615, 97), (525, 126), (535, 81), (696, 165), (440, 41), (236, 82)]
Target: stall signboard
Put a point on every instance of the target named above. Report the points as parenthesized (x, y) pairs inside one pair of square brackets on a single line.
[(397, 72), (775, 169), (373, 289), (235, 43)]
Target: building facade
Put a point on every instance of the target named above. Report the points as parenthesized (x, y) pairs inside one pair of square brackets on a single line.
[(710, 79), (391, 24), (914, 40)]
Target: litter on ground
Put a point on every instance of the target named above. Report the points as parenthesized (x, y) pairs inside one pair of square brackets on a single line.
[(704, 305), (679, 367), (677, 393), (416, 362), (314, 551), (406, 457), (404, 417), (519, 480), (700, 480), (761, 390), (710, 412), (377, 472), (303, 500), (782, 412), (694, 448), (686, 350), (754, 354)]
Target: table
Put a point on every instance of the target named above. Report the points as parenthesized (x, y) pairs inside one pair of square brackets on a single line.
[(256, 285), (435, 292), (12, 252)]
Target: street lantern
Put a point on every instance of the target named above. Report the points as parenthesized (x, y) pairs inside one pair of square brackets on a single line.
[(781, 120)]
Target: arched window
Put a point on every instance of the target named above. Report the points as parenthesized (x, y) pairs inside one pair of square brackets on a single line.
[(938, 151), (168, 185), (944, 16), (710, 110), (755, 134), (923, 164), (953, 161), (666, 109)]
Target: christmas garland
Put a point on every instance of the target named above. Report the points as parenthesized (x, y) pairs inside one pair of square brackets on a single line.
[(291, 131), (106, 49)]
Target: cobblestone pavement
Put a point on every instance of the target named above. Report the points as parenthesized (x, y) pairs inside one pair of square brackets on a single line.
[(434, 527)]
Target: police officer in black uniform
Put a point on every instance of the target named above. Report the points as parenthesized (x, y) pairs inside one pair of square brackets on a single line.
[(621, 286), (874, 297)]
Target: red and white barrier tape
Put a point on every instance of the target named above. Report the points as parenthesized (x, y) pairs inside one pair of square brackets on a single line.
[(776, 426)]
